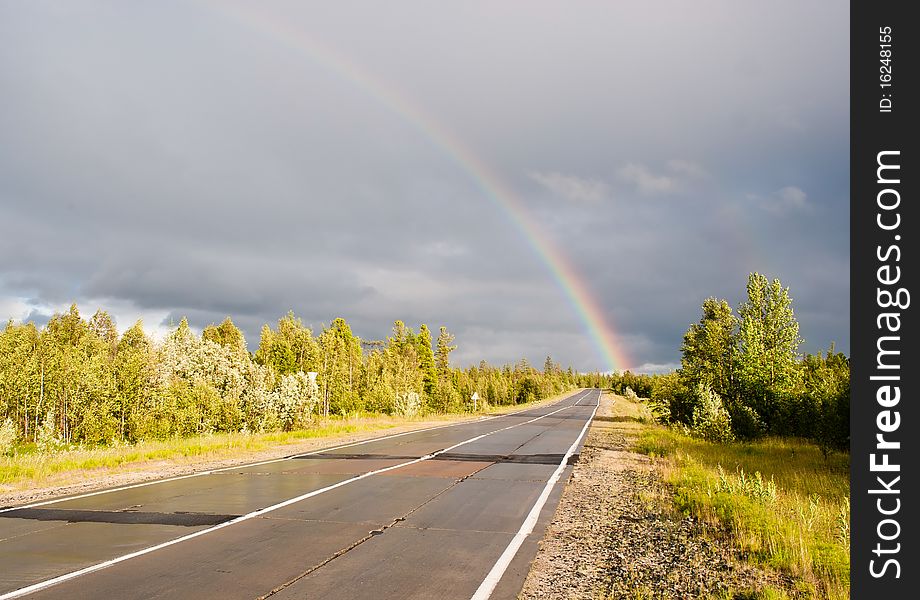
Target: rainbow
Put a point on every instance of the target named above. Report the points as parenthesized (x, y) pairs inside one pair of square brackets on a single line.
[(566, 276)]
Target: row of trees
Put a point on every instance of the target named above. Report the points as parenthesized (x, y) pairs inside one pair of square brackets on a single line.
[(80, 381), (744, 376)]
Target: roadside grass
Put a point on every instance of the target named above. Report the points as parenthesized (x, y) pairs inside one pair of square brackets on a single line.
[(783, 504), (27, 468), (625, 410)]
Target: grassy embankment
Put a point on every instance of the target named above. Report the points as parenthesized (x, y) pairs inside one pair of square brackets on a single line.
[(27, 468), (780, 502)]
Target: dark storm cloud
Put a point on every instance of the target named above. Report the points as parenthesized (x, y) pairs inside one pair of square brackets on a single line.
[(175, 160)]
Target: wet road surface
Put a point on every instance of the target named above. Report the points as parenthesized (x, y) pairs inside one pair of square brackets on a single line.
[(427, 514)]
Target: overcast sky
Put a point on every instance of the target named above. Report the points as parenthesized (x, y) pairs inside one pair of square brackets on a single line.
[(203, 159)]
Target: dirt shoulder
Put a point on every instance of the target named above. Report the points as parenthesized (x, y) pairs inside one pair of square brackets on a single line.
[(612, 535), (70, 483)]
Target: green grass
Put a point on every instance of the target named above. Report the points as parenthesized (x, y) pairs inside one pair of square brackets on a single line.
[(27, 468), (782, 503)]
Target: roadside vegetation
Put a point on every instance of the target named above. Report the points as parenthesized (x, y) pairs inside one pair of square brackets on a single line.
[(753, 439), (782, 503), (76, 384)]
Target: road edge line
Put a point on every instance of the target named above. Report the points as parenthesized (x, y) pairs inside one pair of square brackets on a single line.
[(488, 585)]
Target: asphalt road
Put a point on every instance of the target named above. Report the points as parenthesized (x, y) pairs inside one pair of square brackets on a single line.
[(450, 512)]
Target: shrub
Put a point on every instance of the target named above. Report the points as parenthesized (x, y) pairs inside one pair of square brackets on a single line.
[(47, 439), (710, 419), (408, 404), (8, 436), (746, 423)]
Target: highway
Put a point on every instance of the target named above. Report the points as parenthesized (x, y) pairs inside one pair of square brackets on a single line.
[(454, 511)]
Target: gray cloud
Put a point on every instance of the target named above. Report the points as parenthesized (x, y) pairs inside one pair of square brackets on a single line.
[(572, 188), (203, 159)]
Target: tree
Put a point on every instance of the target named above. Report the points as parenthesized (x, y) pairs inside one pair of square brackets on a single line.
[(426, 360), (103, 327), (135, 376), (290, 349), (708, 350), (442, 356), (401, 362), (226, 334), (768, 348), (340, 369), (827, 394)]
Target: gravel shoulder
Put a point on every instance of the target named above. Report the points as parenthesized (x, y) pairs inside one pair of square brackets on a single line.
[(614, 536)]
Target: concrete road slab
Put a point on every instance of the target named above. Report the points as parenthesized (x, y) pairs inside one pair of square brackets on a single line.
[(12, 528), (375, 500), (479, 505), (55, 551), (408, 564), (516, 472), (241, 562), (221, 493)]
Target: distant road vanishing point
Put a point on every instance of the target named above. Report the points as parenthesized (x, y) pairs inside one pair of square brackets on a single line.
[(454, 511)]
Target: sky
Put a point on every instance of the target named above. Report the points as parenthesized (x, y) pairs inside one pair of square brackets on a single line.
[(428, 162)]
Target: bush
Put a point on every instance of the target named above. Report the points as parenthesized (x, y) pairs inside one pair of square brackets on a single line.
[(710, 419), (746, 423), (408, 404), (8, 436), (668, 399), (47, 440)]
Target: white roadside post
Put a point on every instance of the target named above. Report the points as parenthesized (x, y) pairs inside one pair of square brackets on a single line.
[(474, 398)]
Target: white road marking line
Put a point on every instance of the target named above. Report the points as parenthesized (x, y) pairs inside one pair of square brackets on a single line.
[(99, 566), (501, 565), (255, 464)]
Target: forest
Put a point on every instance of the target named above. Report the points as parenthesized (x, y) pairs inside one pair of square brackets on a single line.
[(742, 376), (77, 381)]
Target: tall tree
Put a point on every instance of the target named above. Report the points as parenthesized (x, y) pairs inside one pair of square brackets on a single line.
[(709, 348), (768, 346), (445, 347), (340, 369), (135, 374), (426, 360)]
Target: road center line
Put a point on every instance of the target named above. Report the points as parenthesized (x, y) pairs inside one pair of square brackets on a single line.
[(501, 565), (258, 513)]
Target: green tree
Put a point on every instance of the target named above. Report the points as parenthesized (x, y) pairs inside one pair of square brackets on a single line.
[(290, 349), (426, 360), (768, 349), (827, 397), (708, 350), (403, 372), (226, 334), (135, 375), (340, 370)]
